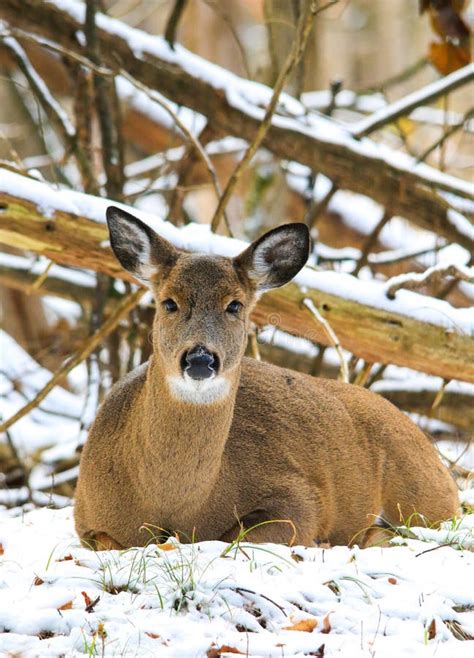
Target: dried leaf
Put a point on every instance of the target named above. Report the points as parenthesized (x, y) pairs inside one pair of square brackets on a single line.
[(306, 625), (101, 632), (2, 550), (326, 624), (65, 558), (87, 598), (153, 636), (38, 581), (66, 606), (446, 57), (392, 581), (216, 652), (296, 557), (432, 630)]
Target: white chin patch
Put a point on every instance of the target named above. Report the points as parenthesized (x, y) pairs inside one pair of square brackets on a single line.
[(204, 391)]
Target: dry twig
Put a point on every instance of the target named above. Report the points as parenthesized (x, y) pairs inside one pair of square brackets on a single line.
[(370, 242), (333, 339), (304, 30), (173, 21), (447, 133)]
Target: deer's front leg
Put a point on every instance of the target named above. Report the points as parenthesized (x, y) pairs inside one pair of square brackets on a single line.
[(101, 541), (261, 527)]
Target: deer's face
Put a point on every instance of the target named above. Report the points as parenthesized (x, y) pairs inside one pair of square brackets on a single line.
[(204, 302)]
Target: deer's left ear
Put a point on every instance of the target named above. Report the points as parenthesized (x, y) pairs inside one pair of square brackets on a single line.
[(276, 257)]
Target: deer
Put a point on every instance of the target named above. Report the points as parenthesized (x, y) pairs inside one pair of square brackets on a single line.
[(208, 443)]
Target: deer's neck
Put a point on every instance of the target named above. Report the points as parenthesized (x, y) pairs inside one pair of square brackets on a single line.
[(183, 445)]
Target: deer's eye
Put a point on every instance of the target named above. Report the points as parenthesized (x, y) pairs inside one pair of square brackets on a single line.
[(170, 305), (234, 307)]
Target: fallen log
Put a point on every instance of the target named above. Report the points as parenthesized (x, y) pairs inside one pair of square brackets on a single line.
[(413, 330), (236, 106)]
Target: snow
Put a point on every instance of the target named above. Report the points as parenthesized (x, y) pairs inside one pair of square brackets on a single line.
[(56, 419), (186, 600)]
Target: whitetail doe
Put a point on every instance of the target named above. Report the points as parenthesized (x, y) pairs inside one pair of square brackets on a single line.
[(204, 442)]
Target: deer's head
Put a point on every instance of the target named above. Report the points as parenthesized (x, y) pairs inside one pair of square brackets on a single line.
[(203, 302)]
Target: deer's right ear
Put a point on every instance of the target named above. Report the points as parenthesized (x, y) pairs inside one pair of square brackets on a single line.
[(140, 250)]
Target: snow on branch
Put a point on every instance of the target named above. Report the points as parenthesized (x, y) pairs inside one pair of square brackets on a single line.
[(237, 106), (405, 105), (416, 331), (435, 274)]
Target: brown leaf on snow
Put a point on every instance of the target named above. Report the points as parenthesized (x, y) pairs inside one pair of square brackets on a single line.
[(153, 636), (87, 598), (66, 606), (90, 604), (326, 624), (167, 546), (2, 550), (38, 581), (65, 558), (305, 625), (432, 630), (216, 652), (392, 581)]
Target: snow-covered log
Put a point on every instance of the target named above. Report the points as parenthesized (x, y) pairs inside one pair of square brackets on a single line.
[(236, 106), (412, 330)]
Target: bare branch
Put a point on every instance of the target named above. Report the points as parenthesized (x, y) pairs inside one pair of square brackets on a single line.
[(333, 339), (302, 34), (371, 241)]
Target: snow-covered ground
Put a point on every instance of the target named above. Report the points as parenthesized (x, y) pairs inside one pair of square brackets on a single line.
[(57, 598), (211, 599)]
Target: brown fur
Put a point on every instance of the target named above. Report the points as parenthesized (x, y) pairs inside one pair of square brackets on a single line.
[(327, 457)]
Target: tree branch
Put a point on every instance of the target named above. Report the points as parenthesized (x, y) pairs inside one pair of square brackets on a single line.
[(365, 321), (435, 274), (234, 106)]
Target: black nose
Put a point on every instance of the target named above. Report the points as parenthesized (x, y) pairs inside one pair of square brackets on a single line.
[(199, 363)]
